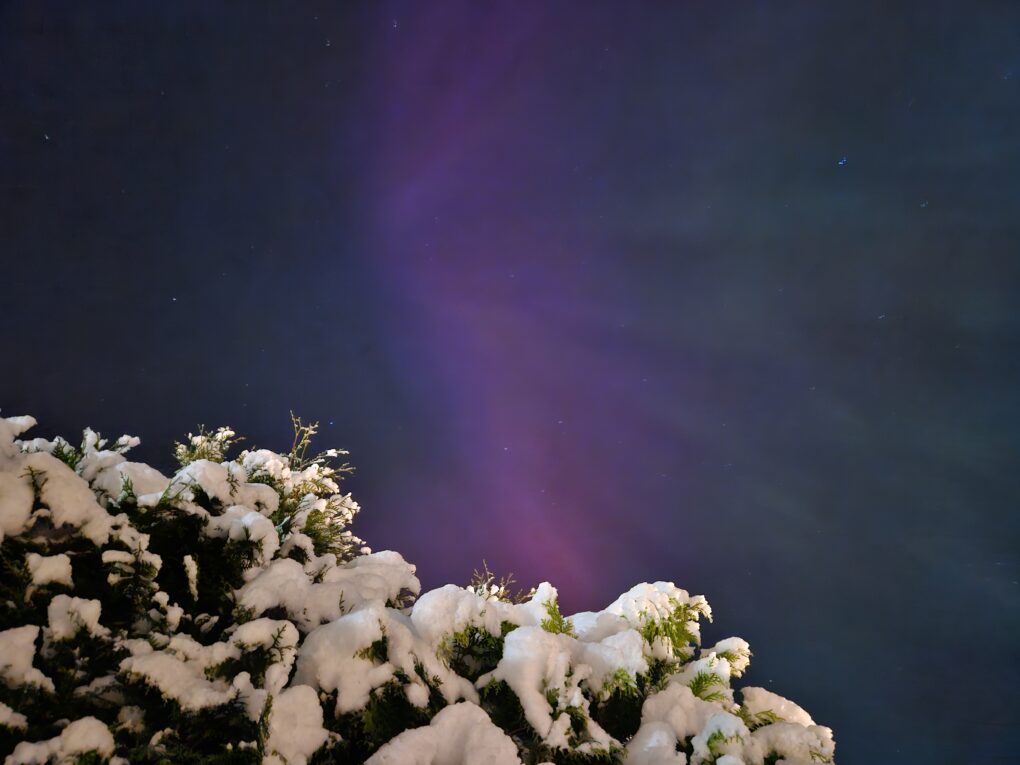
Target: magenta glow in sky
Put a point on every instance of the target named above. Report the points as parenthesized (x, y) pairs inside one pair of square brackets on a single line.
[(599, 293)]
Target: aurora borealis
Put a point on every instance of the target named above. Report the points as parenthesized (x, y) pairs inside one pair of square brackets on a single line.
[(597, 293)]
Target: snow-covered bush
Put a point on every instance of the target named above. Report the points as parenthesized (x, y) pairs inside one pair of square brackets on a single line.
[(227, 614)]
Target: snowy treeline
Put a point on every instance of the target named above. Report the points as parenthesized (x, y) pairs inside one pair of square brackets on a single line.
[(228, 614)]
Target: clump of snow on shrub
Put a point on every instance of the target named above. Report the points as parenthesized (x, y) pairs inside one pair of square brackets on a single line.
[(227, 613), (87, 735), (461, 734)]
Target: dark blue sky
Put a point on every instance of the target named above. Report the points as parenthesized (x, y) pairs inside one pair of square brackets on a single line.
[(598, 293)]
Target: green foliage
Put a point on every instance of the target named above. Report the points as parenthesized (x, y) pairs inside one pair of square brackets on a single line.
[(68, 454), (555, 621), (487, 585), (387, 714), (474, 651), (733, 658), (717, 739), (505, 710), (132, 586), (38, 480), (377, 652), (14, 581), (263, 723), (210, 445), (674, 629), (771, 758), (621, 682), (212, 735), (174, 533), (90, 442), (578, 725), (658, 674), (89, 758), (312, 491), (702, 685), (254, 660), (618, 707), (754, 721), (326, 536)]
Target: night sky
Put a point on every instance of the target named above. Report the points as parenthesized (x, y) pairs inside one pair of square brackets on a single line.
[(599, 293)]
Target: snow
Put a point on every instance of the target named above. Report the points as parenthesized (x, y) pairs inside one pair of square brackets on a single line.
[(191, 570), (795, 744), (266, 463), (450, 609), (635, 608), (536, 663), (657, 600), (623, 650), (179, 679), (328, 659), (49, 569), (10, 719), (757, 700), (227, 484), (96, 459), (379, 576), (16, 499), (238, 523), (285, 583), (142, 479), (15, 426), (732, 733), (707, 665), (461, 734), (211, 477), (295, 725), (17, 652), (131, 719), (736, 651), (654, 744), (171, 611), (263, 463), (333, 658), (280, 636), (16, 495), (679, 709), (343, 506), (68, 615), (180, 670), (594, 626), (80, 737), (67, 498), (341, 627), (417, 694), (123, 563), (369, 579)]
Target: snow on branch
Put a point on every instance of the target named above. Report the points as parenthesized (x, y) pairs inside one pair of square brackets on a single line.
[(228, 614)]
